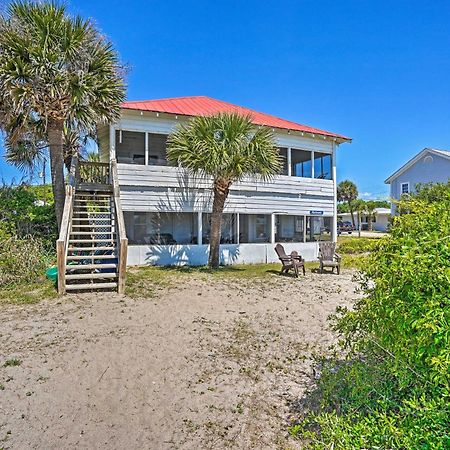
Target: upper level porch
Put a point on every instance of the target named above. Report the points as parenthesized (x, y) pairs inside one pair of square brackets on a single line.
[(149, 149)]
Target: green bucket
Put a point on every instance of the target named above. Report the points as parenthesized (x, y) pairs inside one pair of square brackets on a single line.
[(52, 273)]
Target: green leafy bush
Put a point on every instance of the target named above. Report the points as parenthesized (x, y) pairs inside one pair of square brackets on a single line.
[(22, 260), (351, 246), (28, 211), (393, 390)]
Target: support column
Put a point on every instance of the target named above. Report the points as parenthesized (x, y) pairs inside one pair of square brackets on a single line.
[(312, 164), (237, 228), (289, 161), (112, 142), (272, 228), (304, 228), (146, 149), (333, 174), (199, 228)]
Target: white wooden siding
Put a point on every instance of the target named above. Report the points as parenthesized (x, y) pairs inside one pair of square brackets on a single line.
[(152, 188)]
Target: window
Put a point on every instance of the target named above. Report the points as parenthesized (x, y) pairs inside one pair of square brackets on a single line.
[(322, 166), (289, 228), (160, 228), (254, 228), (157, 149), (318, 228), (228, 229), (130, 147), (404, 188), (301, 163)]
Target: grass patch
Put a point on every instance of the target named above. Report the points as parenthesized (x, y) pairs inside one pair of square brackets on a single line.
[(28, 293), (13, 362), (144, 282)]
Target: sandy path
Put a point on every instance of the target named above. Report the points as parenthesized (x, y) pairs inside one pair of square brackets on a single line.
[(213, 364)]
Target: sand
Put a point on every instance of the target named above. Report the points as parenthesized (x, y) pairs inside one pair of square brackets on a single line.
[(215, 363)]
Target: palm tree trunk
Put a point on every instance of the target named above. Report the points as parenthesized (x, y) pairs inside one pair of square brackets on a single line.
[(221, 190), (55, 144), (351, 213)]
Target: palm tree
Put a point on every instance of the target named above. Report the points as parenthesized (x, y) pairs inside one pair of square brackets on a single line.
[(226, 147), (57, 72), (347, 192), (370, 209), (359, 206)]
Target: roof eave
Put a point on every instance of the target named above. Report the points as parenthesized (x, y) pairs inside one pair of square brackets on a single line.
[(335, 137)]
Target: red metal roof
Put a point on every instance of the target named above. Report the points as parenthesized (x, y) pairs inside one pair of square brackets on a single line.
[(203, 106)]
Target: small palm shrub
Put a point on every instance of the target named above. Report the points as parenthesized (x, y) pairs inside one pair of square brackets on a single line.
[(393, 389)]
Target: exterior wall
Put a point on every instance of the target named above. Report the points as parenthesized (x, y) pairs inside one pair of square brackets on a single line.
[(423, 171), (149, 188), (156, 188), (382, 222), (197, 255)]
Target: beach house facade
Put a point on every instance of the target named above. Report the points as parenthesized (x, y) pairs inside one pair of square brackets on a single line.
[(167, 211), (428, 166)]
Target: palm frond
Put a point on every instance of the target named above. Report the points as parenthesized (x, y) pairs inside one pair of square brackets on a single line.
[(225, 146)]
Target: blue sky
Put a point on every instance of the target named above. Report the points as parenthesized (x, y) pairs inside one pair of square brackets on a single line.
[(376, 71)]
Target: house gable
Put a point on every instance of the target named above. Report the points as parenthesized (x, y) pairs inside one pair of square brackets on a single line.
[(429, 166)]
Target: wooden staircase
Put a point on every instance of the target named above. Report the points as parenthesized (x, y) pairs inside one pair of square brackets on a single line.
[(92, 245)]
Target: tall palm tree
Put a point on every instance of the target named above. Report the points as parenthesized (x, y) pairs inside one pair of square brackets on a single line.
[(56, 71), (347, 192), (226, 147), (371, 205), (359, 206)]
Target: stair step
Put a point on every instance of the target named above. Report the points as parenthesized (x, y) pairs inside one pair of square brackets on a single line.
[(89, 233), (83, 208), (88, 194), (76, 287), (87, 219), (90, 266), (90, 214), (93, 200), (88, 241), (92, 226), (89, 257), (90, 276), (91, 249)]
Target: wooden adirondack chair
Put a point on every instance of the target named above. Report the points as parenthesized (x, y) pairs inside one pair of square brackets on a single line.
[(328, 256), (293, 261)]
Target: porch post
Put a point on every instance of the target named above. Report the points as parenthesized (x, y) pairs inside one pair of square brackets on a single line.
[(146, 149), (199, 228), (272, 229), (333, 174), (237, 228), (289, 161), (112, 142), (304, 228), (312, 164)]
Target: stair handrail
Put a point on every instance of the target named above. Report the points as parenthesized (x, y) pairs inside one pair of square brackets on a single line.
[(63, 240), (121, 232)]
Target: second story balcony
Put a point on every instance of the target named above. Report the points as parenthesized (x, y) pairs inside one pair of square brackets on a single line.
[(149, 149)]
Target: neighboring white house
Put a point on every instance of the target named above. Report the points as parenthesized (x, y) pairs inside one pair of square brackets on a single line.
[(167, 212), (380, 219), (428, 166)]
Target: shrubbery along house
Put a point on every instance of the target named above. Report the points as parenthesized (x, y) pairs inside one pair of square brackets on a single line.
[(167, 212)]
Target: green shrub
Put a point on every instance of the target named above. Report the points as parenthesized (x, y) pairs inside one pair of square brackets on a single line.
[(22, 260), (393, 390), (28, 211), (351, 246)]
